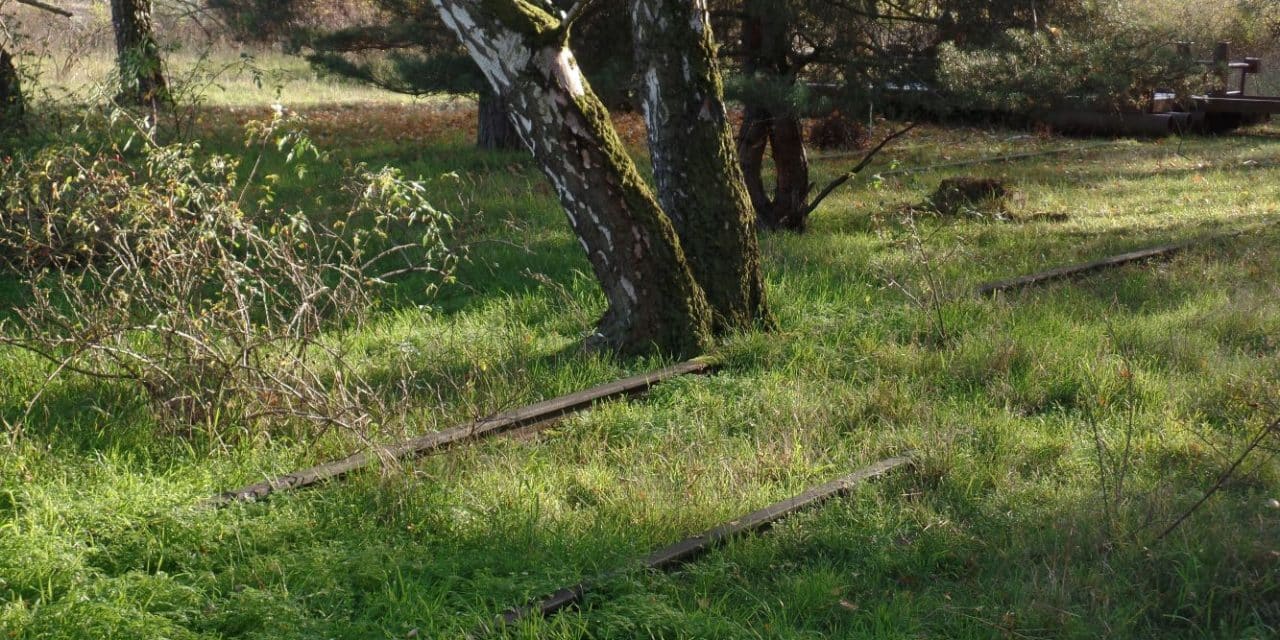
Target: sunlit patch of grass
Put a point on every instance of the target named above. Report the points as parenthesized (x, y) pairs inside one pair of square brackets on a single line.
[(997, 532)]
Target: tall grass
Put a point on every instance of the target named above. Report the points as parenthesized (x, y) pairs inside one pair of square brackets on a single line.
[(999, 532)]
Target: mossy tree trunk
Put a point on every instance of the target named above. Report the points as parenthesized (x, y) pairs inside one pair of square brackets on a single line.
[(766, 48), (653, 300), (12, 103), (494, 131), (142, 80), (695, 167)]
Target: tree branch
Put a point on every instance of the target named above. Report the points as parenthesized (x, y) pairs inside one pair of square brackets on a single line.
[(578, 9), (47, 7), (1257, 441), (835, 184)]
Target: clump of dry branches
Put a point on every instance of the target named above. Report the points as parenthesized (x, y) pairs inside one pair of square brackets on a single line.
[(162, 267)]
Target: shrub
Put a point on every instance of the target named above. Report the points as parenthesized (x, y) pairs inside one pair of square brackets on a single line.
[(1114, 68), (157, 266), (838, 131)]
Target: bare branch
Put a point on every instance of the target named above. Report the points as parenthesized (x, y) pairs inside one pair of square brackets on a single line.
[(1258, 439), (835, 184), (47, 7), (578, 10)]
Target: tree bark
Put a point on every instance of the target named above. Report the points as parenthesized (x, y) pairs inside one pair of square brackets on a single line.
[(699, 181), (787, 206), (494, 131), (766, 47), (653, 300), (142, 80), (12, 103)]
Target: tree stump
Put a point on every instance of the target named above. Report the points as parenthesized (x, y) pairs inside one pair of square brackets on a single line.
[(958, 195)]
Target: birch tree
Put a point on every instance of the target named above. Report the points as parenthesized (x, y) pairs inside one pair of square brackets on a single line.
[(695, 168), (653, 300), (674, 273)]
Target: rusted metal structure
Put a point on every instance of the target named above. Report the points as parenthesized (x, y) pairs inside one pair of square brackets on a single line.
[(1224, 108), (1221, 108)]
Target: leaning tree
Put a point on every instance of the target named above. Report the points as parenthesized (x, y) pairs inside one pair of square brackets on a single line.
[(655, 300), (142, 80), (402, 46)]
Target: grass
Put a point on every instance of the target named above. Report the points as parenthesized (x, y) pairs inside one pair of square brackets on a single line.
[(226, 80), (1003, 530)]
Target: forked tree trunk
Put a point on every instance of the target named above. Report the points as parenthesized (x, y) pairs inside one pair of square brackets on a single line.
[(786, 207), (699, 181), (653, 299), (494, 131), (766, 47), (142, 80), (12, 104)]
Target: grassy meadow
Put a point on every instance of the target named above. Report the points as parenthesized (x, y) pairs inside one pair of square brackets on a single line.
[(1058, 429)]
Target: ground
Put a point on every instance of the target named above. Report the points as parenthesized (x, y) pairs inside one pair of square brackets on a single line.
[(1058, 429)]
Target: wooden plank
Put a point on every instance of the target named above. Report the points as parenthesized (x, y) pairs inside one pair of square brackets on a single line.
[(485, 427), (690, 548), (1105, 263)]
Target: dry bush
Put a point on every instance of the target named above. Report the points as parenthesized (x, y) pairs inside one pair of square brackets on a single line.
[(153, 265), (966, 194), (838, 131)]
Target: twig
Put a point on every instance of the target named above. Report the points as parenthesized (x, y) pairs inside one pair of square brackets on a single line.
[(578, 9), (1226, 475), (866, 159), (47, 7)]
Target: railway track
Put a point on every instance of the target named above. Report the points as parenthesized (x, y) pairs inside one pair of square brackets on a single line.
[(691, 548), (539, 413)]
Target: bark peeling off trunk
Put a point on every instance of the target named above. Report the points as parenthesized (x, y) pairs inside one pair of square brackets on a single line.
[(142, 80), (653, 299), (699, 181)]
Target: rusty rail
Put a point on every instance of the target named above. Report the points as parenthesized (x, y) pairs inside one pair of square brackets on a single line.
[(690, 548), (479, 429)]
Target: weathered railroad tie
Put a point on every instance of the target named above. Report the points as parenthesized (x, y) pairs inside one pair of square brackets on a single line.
[(482, 428), (690, 548), (1097, 265)]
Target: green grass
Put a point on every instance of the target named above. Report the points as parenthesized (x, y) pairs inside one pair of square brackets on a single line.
[(219, 77), (999, 532)]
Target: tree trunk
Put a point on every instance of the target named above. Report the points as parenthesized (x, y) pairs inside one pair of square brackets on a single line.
[(654, 302), (494, 131), (12, 104), (142, 80), (699, 181), (766, 47)]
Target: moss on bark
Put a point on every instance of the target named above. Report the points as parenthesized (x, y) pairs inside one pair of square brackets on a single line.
[(700, 183), (654, 301)]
